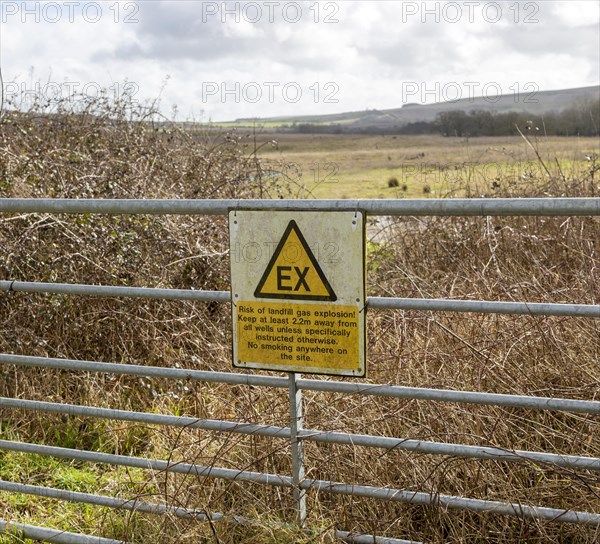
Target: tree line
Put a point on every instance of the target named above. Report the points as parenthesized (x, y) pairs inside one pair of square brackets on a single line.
[(582, 119), (579, 120)]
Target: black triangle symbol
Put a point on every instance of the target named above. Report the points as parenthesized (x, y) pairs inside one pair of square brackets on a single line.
[(261, 293)]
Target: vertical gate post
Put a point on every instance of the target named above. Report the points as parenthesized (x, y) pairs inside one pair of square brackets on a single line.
[(297, 447)]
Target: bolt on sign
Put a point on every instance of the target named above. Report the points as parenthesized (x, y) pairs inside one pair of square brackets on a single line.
[(298, 291)]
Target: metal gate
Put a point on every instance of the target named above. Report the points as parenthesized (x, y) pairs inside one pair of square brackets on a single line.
[(296, 434)]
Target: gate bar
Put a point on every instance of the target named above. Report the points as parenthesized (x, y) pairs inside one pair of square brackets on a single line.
[(457, 503), (52, 535), (347, 536), (148, 464), (297, 435), (411, 207), (134, 505), (381, 493), (367, 389), (380, 303)]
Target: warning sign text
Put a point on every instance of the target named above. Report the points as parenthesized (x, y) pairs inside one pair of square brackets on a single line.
[(284, 334)]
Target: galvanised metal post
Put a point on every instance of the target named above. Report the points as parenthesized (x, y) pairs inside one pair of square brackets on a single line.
[(297, 447)]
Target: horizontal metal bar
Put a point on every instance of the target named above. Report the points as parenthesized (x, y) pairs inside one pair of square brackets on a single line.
[(148, 464), (370, 539), (439, 305), (133, 505), (379, 390), (455, 503), (312, 435), (447, 395), (115, 291), (146, 371), (453, 450), (52, 535), (146, 418), (485, 307), (411, 207), (447, 501)]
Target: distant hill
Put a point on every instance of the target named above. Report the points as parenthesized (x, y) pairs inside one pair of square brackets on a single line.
[(535, 103)]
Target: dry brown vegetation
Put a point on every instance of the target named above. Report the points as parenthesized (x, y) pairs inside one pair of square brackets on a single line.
[(102, 151)]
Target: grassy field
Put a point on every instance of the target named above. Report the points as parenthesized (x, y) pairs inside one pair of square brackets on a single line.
[(354, 166), (510, 259)]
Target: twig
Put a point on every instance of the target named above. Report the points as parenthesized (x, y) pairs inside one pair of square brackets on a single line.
[(534, 150)]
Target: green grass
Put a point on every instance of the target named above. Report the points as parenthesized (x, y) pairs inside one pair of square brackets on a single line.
[(73, 476), (350, 166)]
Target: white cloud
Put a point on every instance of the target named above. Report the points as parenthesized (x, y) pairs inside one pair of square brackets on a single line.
[(366, 51), (577, 13)]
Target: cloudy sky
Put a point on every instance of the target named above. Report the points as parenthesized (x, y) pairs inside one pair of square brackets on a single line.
[(225, 60)]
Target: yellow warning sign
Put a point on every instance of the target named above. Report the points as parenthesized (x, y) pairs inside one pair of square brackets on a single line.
[(293, 272), (298, 291), (315, 336)]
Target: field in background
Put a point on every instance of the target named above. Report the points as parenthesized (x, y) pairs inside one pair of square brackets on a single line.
[(355, 166), (521, 259)]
